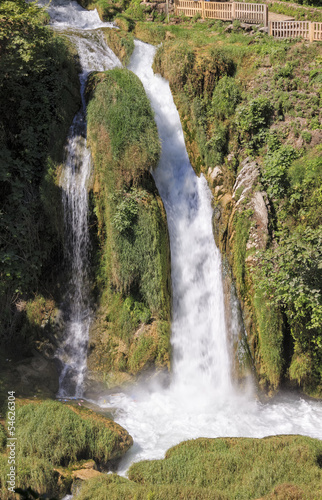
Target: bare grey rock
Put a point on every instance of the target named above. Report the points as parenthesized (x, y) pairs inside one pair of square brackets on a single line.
[(246, 179)]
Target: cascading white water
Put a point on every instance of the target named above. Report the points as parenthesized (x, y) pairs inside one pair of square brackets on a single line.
[(70, 19), (200, 400), (199, 340)]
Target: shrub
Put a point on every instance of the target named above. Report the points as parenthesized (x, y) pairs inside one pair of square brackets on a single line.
[(252, 120), (275, 170), (306, 136), (225, 98)]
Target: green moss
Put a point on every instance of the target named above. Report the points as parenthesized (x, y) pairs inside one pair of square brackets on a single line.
[(120, 41), (38, 473), (221, 469), (51, 434), (58, 434), (194, 73), (153, 33), (271, 336), (133, 263)]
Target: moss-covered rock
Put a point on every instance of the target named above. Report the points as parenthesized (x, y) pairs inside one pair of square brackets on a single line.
[(120, 41), (53, 435), (222, 469), (131, 327)]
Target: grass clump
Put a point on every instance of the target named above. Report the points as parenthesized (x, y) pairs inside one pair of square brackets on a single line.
[(121, 41), (51, 435), (133, 266), (221, 469), (54, 432)]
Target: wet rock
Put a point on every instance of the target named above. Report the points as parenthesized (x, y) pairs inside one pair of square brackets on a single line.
[(216, 176), (246, 26), (85, 474)]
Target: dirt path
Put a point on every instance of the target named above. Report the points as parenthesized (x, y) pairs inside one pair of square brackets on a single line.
[(272, 16)]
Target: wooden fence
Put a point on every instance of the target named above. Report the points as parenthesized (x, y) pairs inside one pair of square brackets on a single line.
[(253, 13), (296, 29)]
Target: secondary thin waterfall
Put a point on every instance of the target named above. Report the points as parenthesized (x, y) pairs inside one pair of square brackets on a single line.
[(94, 55)]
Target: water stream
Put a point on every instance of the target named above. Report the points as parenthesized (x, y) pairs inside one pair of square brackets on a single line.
[(81, 27), (201, 399)]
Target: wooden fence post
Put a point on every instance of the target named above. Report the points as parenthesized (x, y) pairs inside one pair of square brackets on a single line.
[(265, 15), (233, 11), (203, 9), (311, 32)]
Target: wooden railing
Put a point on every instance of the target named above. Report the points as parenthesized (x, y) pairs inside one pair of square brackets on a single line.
[(296, 29), (218, 10), (254, 13), (226, 11), (317, 32)]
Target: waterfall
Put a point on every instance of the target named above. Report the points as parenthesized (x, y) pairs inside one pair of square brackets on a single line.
[(199, 339), (81, 28), (201, 400)]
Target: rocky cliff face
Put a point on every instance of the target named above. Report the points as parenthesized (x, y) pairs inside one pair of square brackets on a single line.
[(241, 229)]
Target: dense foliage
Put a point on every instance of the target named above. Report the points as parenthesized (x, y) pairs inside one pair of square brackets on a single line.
[(38, 98), (133, 248)]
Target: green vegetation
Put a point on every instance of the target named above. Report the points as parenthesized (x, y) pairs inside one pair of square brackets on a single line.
[(51, 434), (291, 272), (107, 9), (38, 99), (3, 437), (133, 273), (297, 12), (279, 467), (121, 41)]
